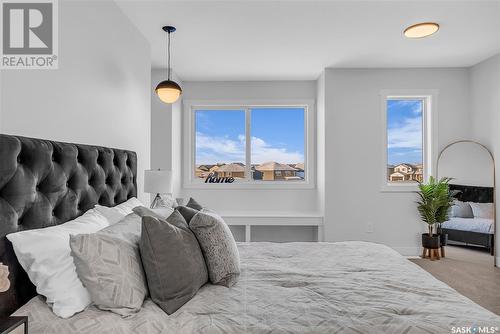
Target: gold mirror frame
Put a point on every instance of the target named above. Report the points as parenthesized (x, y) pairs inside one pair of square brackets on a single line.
[(495, 250)]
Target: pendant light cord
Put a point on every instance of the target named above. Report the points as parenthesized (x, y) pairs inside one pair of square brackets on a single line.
[(168, 56)]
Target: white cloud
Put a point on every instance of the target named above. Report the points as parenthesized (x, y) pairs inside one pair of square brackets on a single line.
[(262, 152), (406, 135), (219, 149), (223, 149)]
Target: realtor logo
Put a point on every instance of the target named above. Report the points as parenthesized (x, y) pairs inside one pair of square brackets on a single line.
[(29, 34)]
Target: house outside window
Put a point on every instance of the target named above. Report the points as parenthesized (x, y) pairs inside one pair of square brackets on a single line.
[(408, 118)]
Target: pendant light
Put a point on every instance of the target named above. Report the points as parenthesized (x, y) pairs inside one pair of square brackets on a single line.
[(168, 91)]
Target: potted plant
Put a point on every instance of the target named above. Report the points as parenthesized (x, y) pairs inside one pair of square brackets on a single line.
[(433, 206)]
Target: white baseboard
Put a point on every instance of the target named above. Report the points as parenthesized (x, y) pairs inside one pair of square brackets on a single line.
[(498, 261), (408, 251)]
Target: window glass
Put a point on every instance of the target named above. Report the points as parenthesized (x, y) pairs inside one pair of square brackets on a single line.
[(404, 140), (220, 143), (278, 143)]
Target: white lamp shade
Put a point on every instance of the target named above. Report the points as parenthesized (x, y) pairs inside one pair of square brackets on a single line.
[(158, 181)]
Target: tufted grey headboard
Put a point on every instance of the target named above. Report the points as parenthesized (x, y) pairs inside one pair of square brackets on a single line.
[(45, 183)]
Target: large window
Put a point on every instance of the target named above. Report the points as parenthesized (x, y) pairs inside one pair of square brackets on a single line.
[(249, 144), (407, 139)]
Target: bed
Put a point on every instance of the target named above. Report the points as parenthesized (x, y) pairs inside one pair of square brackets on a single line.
[(344, 287), (474, 231)]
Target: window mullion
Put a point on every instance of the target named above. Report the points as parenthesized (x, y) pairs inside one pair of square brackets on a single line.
[(248, 144)]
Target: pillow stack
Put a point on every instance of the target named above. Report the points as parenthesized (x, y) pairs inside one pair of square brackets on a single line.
[(182, 252), (461, 209), (114, 257), (109, 262), (45, 255)]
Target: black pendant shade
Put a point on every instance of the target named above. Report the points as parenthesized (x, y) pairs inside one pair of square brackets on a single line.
[(168, 91)]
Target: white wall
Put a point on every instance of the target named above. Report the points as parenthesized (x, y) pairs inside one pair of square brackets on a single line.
[(353, 122), (100, 93), (320, 140), (161, 126), (485, 113)]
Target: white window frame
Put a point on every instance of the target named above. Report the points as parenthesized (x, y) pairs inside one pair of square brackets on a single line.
[(189, 140), (429, 133)]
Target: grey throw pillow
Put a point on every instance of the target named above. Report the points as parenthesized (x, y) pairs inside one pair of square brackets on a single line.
[(173, 262), (218, 246), (167, 201), (111, 270), (187, 212), (159, 213), (461, 210), (193, 204)]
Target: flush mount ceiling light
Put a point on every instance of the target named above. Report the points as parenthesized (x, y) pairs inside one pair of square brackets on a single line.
[(168, 91), (421, 30)]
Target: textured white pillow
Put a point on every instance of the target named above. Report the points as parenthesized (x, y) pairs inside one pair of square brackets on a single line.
[(116, 213), (482, 210), (45, 255)]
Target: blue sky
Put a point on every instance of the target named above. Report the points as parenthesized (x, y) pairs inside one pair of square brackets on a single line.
[(277, 135), (404, 131)]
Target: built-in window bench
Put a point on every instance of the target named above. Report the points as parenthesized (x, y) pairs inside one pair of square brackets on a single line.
[(274, 219)]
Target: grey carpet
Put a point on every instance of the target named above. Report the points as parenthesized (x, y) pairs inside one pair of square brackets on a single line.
[(470, 271)]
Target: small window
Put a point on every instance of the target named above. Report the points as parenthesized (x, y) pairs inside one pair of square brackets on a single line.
[(407, 139), (404, 139)]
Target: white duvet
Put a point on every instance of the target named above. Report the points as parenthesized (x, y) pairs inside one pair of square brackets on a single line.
[(345, 287)]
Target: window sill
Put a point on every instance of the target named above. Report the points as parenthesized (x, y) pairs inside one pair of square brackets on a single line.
[(249, 185)]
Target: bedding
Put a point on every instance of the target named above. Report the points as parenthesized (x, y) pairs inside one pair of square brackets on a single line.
[(111, 270), (461, 209), (116, 213), (159, 213), (344, 287), (479, 225), (483, 210), (193, 204), (218, 247), (128, 229), (45, 255), (172, 259)]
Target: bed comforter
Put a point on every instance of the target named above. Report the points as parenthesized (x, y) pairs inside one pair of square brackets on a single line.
[(344, 287), (479, 225)]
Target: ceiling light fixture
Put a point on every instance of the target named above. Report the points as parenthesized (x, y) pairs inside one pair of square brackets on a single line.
[(421, 30), (168, 91)]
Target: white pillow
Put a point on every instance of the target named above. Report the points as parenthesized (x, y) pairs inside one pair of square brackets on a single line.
[(116, 213), (45, 255), (482, 210)]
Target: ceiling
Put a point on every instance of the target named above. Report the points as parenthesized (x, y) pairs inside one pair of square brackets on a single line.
[(284, 40)]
